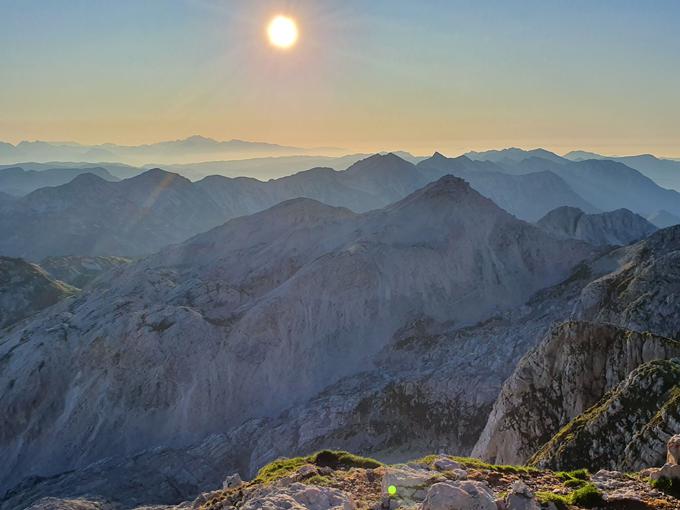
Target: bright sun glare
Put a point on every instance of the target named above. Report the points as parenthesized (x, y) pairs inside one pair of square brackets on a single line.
[(282, 32)]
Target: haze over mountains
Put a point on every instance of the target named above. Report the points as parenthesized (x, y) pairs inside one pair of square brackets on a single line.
[(158, 333), (92, 216), (193, 148)]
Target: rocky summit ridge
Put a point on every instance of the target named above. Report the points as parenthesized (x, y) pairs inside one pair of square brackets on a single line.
[(337, 480)]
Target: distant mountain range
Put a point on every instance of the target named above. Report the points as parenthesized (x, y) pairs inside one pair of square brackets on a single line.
[(94, 216), (193, 148), (17, 181), (665, 172)]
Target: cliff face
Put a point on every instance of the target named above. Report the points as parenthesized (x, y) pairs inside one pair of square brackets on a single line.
[(580, 361), (568, 373), (627, 429)]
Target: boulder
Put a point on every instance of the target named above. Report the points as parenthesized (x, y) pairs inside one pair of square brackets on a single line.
[(669, 471), (466, 495), (298, 496), (232, 481), (446, 464), (411, 483), (521, 498), (673, 450)]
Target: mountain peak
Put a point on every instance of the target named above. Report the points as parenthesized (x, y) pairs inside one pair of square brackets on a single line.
[(161, 176), (447, 188), (87, 179)]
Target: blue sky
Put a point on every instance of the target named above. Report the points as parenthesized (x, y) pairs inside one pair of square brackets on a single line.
[(416, 75)]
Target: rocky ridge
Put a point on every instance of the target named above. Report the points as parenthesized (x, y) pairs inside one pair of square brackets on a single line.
[(620, 227)]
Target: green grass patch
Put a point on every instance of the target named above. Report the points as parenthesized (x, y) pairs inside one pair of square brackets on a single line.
[(667, 485), (550, 497), (280, 468), (574, 483), (470, 462), (283, 467), (579, 474), (587, 496)]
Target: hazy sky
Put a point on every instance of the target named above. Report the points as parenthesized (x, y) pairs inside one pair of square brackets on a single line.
[(366, 75)]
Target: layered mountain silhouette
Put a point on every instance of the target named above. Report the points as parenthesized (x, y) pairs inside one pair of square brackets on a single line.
[(18, 182), (90, 216), (665, 172)]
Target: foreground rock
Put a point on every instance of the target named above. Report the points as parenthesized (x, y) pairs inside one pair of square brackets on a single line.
[(566, 375), (340, 481)]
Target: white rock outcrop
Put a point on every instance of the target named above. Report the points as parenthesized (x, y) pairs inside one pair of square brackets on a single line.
[(465, 495)]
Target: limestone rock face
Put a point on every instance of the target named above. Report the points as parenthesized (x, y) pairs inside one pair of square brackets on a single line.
[(639, 292), (25, 289), (619, 227), (673, 447), (256, 316), (568, 373), (465, 495), (616, 432), (643, 294)]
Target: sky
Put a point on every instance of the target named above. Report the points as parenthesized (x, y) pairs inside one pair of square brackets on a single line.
[(422, 75)]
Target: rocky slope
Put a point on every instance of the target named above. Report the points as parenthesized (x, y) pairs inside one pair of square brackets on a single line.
[(618, 227), (627, 429), (430, 389), (561, 379), (639, 296), (336, 480), (79, 271), (25, 289), (255, 316), (643, 293)]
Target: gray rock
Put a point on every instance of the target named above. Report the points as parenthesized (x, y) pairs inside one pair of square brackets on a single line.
[(459, 496), (232, 481), (674, 450), (521, 498)]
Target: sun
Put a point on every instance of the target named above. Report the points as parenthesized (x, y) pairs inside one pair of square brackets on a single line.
[(282, 32)]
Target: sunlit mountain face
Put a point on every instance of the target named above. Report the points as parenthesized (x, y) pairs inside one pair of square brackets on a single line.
[(339, 255)]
